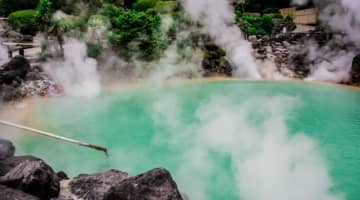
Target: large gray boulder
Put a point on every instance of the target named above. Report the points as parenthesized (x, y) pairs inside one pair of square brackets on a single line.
[(9, 163), (155, 184), (33, 177), (12, 194), (115, 185), (7, 149), (96, 186)]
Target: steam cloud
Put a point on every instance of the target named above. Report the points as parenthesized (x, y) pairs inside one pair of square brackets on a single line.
[(334, 64), (219, 21), (267, 162), (76, 73)]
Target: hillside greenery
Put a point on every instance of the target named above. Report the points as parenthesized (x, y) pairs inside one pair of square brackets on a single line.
[(133, 27)]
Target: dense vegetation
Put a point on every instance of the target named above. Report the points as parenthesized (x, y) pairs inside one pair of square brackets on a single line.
[(132, 27)]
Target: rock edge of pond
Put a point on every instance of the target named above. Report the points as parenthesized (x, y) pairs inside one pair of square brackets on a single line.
[(30, 178)]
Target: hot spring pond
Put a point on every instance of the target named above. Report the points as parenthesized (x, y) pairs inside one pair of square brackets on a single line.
[(220, 140)]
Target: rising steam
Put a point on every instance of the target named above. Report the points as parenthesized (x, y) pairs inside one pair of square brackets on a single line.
[(334, 63), (268, 162), (76, 73), (219, 21)]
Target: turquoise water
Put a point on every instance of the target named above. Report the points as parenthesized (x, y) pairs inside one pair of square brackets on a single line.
[(220, 140)]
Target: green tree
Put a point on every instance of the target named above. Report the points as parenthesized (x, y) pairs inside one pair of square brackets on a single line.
[(24, 20), (44, 14), (137, 33)]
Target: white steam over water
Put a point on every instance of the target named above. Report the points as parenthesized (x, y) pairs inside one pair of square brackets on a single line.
[(76, 73), (218, 18), (268, 162)]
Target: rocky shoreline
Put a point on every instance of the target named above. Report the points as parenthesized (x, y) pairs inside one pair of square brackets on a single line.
[(30, 178), (18, 79)]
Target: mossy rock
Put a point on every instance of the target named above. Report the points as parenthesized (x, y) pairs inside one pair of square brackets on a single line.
[(25, 21)]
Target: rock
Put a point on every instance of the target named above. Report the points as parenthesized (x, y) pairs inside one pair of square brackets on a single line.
[(355, 70), (7, 149), (12, 194), (10, 93), (252, 38), (33, 177), (62, 176), (115, 185), (215, 62), (96, 186), (286, 44), (7, 164), (155, 184), (17, 67)]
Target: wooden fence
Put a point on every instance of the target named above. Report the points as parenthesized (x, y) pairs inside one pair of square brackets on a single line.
[(306, 16)]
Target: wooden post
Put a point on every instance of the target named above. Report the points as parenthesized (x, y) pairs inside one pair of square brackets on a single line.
[(21, 52)]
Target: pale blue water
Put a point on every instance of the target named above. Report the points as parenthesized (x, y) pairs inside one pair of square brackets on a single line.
[(167, 126)]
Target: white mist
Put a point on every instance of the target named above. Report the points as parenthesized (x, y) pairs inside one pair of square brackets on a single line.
[(218, 18), (76, 73)]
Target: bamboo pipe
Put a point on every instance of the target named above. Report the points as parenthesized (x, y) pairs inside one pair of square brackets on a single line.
[(51, 135)]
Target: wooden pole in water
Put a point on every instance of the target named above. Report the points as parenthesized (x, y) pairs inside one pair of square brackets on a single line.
[(51, 135)]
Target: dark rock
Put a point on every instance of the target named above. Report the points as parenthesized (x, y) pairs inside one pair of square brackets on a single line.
[(7, 164), (355, 70), (155, 184), (96, 186), (12, 194), (10, 93), (17, 67), (7, 149), (62, 176), (33, 177), (115, 185), (214, 61)]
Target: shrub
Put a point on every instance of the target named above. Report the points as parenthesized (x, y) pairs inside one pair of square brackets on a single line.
[(143, 5), (9, 6), (290, 17), (238, 15), (165, 6), (68, 23), (99, 20), (137, 33), (25, 21), (44, 14), (110, 11), (256, 25), (94, 50)]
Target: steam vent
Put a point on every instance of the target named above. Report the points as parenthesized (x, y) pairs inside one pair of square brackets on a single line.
[(179, 100)]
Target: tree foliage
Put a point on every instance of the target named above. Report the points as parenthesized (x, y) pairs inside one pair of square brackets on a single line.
[(25, 21), (256, 25), (44, 14), (134, 32)]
